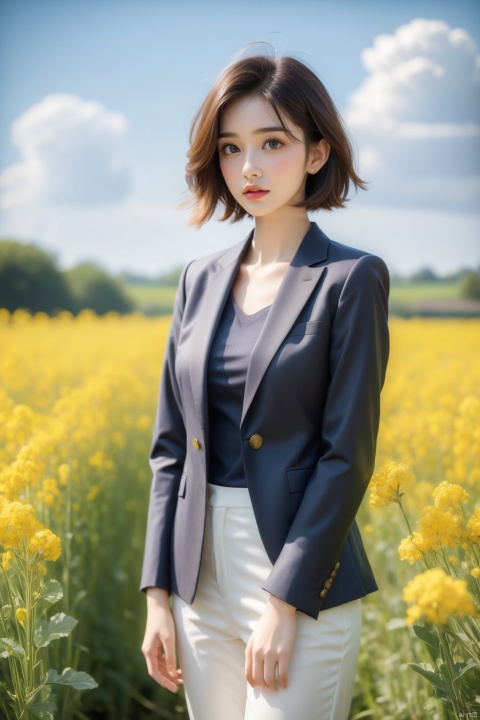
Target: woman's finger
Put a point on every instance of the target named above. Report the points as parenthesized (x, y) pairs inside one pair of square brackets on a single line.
[(157, 669), (269, 667), (169, 656), (258, 670), (248, 664), (283, 660)]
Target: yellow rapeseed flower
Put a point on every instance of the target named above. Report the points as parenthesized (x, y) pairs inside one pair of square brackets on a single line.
[(63, 473), (93, 492), (45, 545), (439, 527), (99, 460), (50, 491), (473, 527), (436, 596), (388, 483), (449, 495), (413, 548), (475, 572), (17, 522), (7, 558), (21, 615)]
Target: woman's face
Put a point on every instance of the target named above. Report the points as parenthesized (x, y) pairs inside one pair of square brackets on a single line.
[(264, 169)]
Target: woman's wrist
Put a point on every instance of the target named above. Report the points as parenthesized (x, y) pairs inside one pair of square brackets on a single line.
[(281, 605), (156, 596)]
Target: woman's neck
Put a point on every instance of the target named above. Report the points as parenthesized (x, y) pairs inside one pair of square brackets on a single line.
[(276, 239)]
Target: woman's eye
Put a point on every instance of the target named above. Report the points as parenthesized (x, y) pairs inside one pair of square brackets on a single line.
[(273, 144), (229, 149)]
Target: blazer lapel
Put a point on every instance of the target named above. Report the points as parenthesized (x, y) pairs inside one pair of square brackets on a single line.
[(298, 284), (208, 313)]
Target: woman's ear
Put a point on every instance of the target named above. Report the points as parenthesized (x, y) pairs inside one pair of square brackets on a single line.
[(318, 154)]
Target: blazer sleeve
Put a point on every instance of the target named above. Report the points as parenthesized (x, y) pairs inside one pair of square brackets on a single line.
[(167, 458), (359, 352)]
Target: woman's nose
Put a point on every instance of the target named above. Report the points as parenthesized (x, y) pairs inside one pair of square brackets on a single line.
[(251, 167)]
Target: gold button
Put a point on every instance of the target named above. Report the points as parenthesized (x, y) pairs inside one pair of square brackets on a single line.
[(256, 441), (323, 593), (333, 573), (328, 583), (196, 444), (337, 566)]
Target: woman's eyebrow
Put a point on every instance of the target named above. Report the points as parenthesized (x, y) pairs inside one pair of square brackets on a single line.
[(273, 128)]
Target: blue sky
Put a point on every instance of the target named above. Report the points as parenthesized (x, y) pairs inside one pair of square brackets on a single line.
[(96, 99)]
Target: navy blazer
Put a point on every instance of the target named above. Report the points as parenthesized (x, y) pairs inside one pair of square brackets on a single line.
[(309, 423)]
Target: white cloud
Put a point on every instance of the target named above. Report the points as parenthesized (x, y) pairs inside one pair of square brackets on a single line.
[(73, 152), (416, 117)]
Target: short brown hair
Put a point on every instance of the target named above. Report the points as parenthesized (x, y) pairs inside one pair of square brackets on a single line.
[(294, 92)]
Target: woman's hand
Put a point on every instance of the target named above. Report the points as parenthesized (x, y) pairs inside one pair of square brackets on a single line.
[(159, 641), (270, 644)]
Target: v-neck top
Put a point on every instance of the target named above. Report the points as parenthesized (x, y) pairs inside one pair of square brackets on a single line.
[(228, 362)]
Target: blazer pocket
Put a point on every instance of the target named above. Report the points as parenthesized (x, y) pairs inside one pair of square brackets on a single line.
[(310, 327), (183, 485), (298, 478)]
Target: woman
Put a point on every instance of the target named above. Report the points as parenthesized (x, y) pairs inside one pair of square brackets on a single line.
[(264, 440)]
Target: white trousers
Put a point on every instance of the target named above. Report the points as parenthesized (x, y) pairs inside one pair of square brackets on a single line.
[(213, 632)]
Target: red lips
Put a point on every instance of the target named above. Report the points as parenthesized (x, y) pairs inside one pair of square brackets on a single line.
[(253, 188)]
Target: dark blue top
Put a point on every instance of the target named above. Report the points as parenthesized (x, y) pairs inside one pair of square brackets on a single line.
[(228, 362)]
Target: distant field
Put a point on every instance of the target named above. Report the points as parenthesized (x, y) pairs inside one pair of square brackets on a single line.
[(406, 292), (158, 299), (152, 299)]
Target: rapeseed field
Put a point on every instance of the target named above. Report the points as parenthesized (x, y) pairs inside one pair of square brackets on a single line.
[(77, 400)]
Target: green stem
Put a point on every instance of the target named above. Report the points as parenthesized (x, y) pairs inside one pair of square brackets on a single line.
[(446, 657), (6, 710), (29, 658), (18, 682), (449, 567), (470, 542), (68, 544), (474, 553), (403, 512), (67, 561), (470, 629), (468, 649)]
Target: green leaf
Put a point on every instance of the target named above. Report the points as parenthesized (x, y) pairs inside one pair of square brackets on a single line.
[(462, 668), (429, 637), (59, 625), (427, 671), (44, 709), (74, 678), (10, 648), (6, 611), (464, 640), (51, 592), (45, 706)]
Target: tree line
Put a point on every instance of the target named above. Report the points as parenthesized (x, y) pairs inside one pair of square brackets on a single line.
[(30, 279)]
